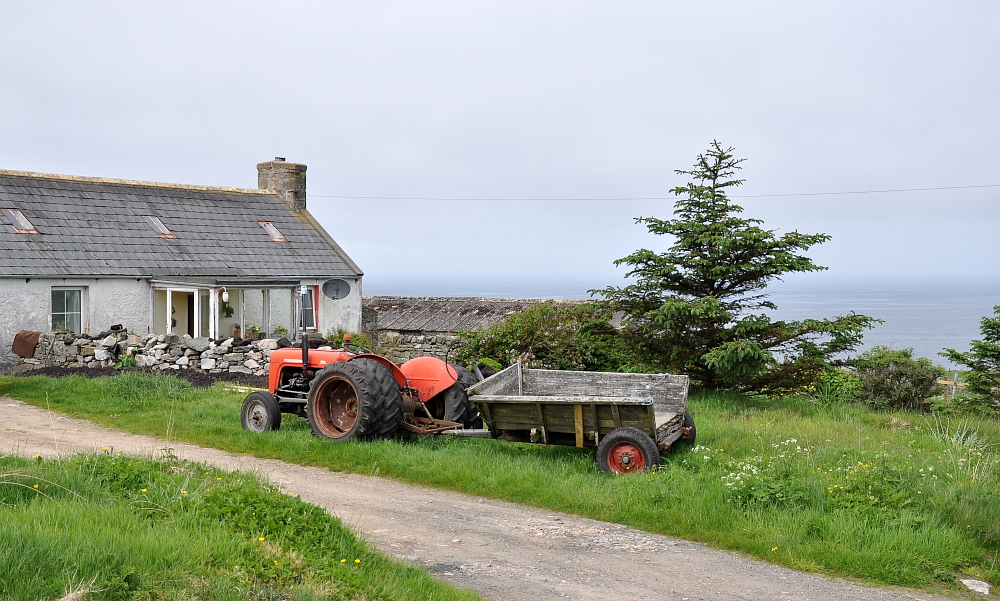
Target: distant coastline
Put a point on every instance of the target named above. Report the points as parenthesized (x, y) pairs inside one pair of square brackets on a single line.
[(925, 314)]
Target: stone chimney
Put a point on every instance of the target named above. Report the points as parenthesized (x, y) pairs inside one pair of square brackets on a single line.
[(289, 179)]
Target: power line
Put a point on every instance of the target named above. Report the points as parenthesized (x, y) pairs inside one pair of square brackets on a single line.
[(621, 198)]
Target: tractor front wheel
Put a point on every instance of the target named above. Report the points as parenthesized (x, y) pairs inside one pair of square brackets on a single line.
[(354, 400), (260, 412), (627, 450)]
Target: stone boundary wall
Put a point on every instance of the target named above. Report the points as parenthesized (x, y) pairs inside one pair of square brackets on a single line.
[(161, 352), (400, 348)]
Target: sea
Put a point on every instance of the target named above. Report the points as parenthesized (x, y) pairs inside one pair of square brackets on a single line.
[(927, 315)]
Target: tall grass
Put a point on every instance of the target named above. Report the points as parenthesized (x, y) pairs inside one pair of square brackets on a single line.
[(127, 528), (832, 487)]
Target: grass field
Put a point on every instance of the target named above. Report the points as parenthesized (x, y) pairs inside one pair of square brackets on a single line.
[(891, 498), (123, 528)]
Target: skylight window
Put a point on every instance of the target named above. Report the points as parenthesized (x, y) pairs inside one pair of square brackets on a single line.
[(272, 231), (19, 221), (161, 230)]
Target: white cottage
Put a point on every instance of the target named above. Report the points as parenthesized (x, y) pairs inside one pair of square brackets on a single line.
[(85, 253)]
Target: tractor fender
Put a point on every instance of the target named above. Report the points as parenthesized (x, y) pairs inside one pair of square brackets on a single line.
[(429, 376), (397, 374)]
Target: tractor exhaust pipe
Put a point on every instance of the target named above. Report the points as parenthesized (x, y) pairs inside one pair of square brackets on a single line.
[(303, 290)]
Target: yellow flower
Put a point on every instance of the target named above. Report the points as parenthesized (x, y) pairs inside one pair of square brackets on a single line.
[(35, 456), (104, 448), (145, 490), (774, 548), (357, 561), (261, 539), (343, 561), (275, 562), (184, 492), (36, 486), (219, 478)]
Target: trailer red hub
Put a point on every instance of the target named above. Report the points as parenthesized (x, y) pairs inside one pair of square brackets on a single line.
[(626, 457)]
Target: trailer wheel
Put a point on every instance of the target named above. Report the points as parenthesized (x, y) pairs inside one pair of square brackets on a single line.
[(354, 400), (626, 450), (691, 436), (260, 412)]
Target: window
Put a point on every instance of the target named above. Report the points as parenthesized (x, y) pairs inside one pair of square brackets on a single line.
[(161, 230), (308, 320), (67, 309), (272, 231), (19, 221)]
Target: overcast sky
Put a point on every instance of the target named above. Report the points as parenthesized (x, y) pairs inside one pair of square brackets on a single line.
[(534, 100)]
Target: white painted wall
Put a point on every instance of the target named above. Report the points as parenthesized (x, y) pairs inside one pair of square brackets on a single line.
[(344, 313), (27, 305)]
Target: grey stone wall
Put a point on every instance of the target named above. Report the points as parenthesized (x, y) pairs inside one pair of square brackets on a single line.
[(401, 347), (158, 352)]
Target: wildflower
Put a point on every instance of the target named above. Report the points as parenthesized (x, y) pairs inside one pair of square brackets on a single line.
[(184, 492), (219, 478), (36, 457), (774, 548), (357, 561), (275, 562), (36, 486), (261, 539), (343, 561), (145, 490)]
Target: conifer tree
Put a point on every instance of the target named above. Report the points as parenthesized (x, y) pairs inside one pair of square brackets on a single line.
[(697, 308)]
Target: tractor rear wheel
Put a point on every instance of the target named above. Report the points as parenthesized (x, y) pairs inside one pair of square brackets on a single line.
[(260, 412), (627, 450), (354, 400), (453, 404)]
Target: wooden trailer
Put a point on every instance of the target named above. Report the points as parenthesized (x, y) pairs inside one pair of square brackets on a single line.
[(630, 418)]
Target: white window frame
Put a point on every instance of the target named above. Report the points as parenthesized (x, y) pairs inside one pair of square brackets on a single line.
[(84, 308)]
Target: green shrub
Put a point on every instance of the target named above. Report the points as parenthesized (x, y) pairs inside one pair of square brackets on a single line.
[(550, 336), (894, 379), (336, 339)]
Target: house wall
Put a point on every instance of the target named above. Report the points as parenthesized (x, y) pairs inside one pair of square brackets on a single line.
[(344, 313), (27, 305)]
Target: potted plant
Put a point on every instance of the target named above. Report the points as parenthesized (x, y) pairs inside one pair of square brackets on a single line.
[(253, 331)]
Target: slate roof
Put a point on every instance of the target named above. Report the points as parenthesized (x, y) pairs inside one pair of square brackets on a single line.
[(94, 227), (445, 314)]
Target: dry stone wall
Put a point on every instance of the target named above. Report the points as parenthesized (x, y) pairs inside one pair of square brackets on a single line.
[(401, 347), (161, 352)]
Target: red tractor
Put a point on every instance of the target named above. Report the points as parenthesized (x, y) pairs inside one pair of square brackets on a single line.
[(347, 394)]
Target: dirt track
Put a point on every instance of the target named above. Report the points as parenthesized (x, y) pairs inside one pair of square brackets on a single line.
[(503, 551)]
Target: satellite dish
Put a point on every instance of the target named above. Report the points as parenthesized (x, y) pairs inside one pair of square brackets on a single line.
[(336, 288)]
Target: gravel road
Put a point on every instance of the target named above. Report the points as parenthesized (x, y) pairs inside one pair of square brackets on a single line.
[(502, 551)]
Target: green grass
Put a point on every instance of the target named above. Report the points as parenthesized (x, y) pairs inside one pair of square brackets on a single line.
[(890, 498), (126, 528)]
